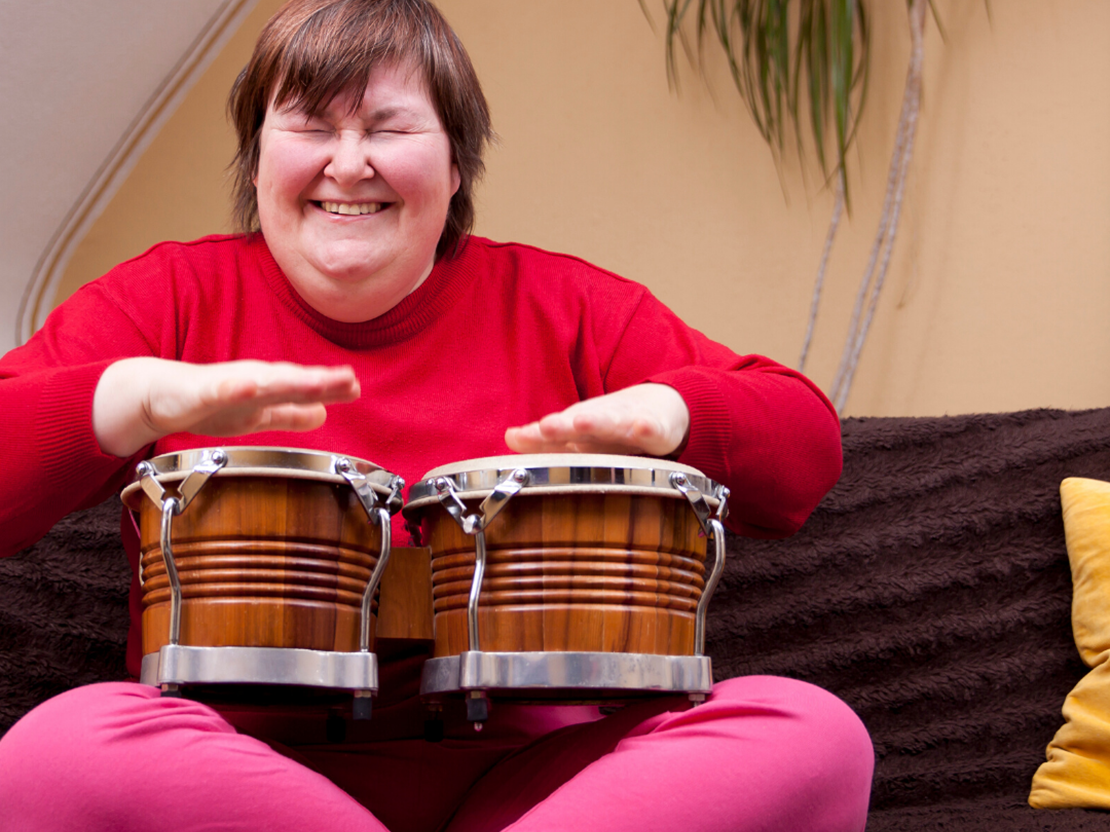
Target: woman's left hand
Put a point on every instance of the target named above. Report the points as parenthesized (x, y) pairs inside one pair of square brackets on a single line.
[(647, 419)]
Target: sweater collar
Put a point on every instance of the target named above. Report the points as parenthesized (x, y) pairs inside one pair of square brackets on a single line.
[(444, 288)]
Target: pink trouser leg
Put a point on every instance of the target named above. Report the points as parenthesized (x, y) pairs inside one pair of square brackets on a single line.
[(763, 753), (118, 757)]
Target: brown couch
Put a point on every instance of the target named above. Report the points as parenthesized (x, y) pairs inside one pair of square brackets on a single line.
[(930, 590)]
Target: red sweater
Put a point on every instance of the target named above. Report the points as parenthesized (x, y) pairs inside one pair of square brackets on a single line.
[(497, 336)]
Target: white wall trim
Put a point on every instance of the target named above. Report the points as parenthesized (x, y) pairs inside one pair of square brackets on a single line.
[(39, 292)]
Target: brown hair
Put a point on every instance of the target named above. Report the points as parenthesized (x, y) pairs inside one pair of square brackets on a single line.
[(313, 50)]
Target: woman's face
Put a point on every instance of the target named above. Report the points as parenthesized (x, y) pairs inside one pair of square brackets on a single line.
[(352, 204)]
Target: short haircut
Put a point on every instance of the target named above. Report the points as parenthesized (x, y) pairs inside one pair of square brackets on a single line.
[(314, 50)]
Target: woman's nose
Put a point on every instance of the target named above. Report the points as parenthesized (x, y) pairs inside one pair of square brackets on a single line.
[(350, 159)]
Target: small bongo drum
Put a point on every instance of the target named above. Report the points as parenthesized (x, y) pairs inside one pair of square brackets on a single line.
[(568, 577), (258, 566)]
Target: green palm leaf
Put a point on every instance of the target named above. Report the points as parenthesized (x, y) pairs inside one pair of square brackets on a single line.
[(775, 50)]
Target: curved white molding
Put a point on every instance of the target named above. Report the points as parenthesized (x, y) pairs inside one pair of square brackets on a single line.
[(38, 293)]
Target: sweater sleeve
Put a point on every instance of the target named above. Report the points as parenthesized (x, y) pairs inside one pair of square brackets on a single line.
[(763, 430), (51, 459)]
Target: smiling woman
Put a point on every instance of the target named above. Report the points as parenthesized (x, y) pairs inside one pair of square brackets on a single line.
[(358, 311), (354, 197)]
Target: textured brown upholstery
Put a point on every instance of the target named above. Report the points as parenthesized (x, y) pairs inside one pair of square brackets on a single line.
[(930, 590)]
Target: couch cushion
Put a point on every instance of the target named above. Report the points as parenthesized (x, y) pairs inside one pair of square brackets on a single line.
[(1077, 770)]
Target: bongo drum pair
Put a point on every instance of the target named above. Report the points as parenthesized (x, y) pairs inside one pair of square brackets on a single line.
[(556, 578)]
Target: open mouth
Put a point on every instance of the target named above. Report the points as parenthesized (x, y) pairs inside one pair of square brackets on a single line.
[(353, 209)]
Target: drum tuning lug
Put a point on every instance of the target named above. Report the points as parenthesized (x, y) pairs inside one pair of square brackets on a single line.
[(394, 501), (694, 497), (697, 699), (171, 691), (477, 708), (363, 705)]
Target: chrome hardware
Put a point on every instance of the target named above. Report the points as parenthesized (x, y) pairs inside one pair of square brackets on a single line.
[(183, 665), (714, 530), (557, 474), (717, 535), (694, 496), (364, 488), (605, 675), (445, 490), (476, 589), (171, 505), (475, 525), (381, 517), (500, 496)]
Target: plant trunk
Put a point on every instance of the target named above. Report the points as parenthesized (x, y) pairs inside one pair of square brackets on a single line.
[(872, 283)]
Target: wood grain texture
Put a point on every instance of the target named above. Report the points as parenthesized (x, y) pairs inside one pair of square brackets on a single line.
[(405, 608), (581, 572), (263, 562)]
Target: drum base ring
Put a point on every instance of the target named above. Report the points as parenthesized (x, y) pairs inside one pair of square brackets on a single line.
[(176, 664), (602, 675)]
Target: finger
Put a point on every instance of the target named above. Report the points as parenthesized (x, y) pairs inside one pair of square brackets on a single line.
[(275, 383), (256, 392), (294, 417), (525, 439), (528, 440), (577, 429)]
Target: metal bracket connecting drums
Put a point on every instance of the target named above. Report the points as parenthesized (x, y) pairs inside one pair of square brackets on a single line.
[(714, 530)]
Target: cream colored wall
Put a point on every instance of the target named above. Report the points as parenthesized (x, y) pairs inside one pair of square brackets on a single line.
[(997, 295)]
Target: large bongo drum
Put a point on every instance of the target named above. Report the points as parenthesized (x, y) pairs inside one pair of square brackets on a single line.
[(258, 566), (567, 576)]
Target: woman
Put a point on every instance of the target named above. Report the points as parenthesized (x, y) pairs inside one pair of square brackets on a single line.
[(364, 300)]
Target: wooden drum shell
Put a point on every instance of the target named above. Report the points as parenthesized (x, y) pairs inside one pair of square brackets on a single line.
[(263, 562), (592, 572)]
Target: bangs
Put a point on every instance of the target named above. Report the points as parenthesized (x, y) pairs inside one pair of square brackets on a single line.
[(312, 51), (336, 48)]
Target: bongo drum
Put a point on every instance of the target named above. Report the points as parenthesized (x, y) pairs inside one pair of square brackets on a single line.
[(258, 566), (568, 576)]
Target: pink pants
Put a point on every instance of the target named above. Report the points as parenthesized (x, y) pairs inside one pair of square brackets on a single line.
[(762, 753)]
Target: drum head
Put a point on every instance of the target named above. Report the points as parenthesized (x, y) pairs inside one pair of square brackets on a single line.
[(293, 463), (562, 474)]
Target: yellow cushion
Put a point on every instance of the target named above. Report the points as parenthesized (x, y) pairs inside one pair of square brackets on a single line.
[(1077, 770)]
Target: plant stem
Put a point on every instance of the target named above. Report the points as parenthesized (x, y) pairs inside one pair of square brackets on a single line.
[(892, 207), (834, 224)]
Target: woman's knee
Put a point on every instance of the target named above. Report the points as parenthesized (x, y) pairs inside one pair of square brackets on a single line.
[(810, 720), (90, 746)]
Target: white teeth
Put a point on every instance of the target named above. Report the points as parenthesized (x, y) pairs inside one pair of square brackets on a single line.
[(346, 208)]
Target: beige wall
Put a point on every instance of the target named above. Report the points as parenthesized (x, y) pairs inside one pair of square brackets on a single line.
[(997, 297)]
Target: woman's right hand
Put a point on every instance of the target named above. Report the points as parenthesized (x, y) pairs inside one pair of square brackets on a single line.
[(140, 400)]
